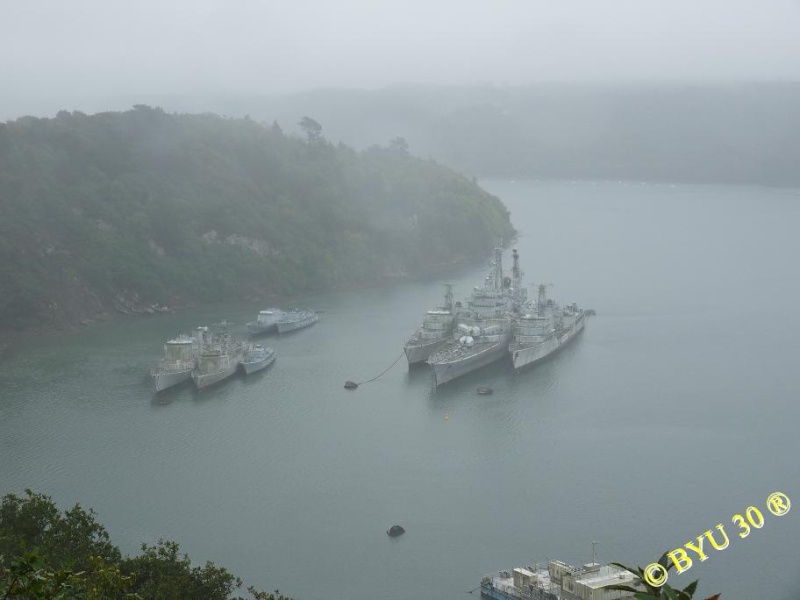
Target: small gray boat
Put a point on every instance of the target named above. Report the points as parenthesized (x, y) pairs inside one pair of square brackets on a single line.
[(256, 358)]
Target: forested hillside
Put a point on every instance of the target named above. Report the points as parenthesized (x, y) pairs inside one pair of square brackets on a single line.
[(118, 210)]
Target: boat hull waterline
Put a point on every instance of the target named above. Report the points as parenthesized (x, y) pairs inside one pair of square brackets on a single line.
[(258, 360), (529, 356), (294, 320), (447, 370)]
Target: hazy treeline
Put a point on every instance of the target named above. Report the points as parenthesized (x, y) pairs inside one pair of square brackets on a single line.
[(720, 133), (166, 208)]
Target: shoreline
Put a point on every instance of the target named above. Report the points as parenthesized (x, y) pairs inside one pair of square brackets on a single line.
[(9, 337)]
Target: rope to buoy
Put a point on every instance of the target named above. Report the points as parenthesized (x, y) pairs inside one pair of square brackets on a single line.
[(351, 385)]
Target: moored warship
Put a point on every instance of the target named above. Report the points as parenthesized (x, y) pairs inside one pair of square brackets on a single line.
[(177, 364), (548, 327), (435, 332), (266, 321), (484, 328), (218, 357), (296, 319)]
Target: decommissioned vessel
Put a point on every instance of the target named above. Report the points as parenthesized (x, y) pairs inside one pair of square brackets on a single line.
[(218, 357), (436, 330), (265, 322), (559, 581), (177, 364), (484, 328), (548, 327), (256, 358), (296, 319)]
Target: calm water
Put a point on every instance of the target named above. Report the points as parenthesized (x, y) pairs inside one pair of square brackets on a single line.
[(676, 409)]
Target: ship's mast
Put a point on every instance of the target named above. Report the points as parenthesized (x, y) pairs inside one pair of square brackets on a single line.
[(541, 301), (448, 296), (497, 271), (515, 272)]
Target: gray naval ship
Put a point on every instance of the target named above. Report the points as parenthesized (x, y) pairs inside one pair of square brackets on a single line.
[(484, 328), (543, 330), (436, 331), (177, 364), (218, 356)]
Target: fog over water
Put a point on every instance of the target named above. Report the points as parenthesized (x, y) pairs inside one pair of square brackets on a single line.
[(675, 410), (95, 55)]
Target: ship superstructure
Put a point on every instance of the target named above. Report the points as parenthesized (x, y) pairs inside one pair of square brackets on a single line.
[(559, 581), (177, 364), (544, 329), (218, 357), (484, 328), (436, 331)]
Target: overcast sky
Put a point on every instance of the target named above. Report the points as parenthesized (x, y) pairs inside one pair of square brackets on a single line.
[(54, 52)]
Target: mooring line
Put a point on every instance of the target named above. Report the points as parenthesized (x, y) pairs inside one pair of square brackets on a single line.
[(351, 385)]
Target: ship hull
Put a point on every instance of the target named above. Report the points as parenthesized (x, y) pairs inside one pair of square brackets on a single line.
[(448, 370), (489, 591), (531, 354), (496, 593), (286, 326), (163, 381), (204, 380), (417, 354), (260, 328), (253, 367)]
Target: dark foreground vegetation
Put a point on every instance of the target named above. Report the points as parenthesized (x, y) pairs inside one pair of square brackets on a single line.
[(144, 209), (47, 554)]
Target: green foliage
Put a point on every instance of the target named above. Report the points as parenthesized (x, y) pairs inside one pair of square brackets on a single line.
[(198, 208), (69, 540), (47, 554), (30, 577), (650, 592)]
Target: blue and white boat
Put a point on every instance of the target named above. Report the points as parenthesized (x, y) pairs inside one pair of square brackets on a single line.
[(296, 319), (265, 322)]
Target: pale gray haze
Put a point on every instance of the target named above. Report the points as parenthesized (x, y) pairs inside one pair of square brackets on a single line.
[(82, 53)]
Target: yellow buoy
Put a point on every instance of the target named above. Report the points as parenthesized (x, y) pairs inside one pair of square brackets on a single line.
[(446, 417)]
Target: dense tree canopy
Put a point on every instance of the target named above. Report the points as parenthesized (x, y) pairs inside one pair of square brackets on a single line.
[(196, 208), (47, 554)]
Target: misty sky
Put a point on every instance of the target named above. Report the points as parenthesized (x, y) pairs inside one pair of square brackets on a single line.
[(57, 52)]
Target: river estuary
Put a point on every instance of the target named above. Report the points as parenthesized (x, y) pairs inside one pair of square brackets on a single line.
[(676, 409)]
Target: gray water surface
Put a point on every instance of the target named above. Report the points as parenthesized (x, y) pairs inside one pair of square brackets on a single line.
[(674, 410)]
